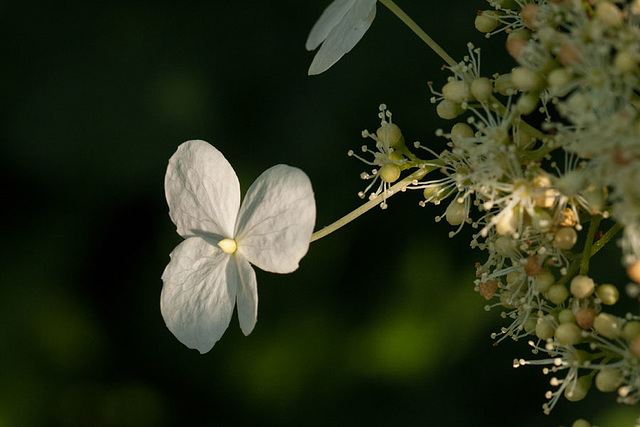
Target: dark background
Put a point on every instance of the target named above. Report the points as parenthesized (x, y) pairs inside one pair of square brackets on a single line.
[(379, 326)]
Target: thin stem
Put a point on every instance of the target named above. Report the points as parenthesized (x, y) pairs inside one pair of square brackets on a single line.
[(593, 228), (399, 186), (595, 248), (418, 31), (606, 237)]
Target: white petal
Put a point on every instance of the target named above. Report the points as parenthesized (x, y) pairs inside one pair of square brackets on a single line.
[(247, 295), (202, 190), (276, 219), (327, 21), (199, 293), (344, 36)]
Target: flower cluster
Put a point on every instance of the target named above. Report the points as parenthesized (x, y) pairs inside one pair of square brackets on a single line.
[(542, 162)]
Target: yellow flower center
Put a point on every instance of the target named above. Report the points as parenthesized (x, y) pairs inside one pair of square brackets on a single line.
[(228, 245)]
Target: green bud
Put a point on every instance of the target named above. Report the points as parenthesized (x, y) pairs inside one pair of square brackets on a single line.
[(579, 389), (544, 280), (607, 325), (568, 334), (557, 294), (481, 89), (582, 286), (631, 330), (608, 294), (389, 172), (566, 316), (545, 328), (487, 21), (456, 91), (609, 379), (448, 110)]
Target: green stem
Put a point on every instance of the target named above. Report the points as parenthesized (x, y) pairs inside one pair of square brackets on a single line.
[(606, 237), (399, 186), (418, 31), (586, 252), (595, 248)]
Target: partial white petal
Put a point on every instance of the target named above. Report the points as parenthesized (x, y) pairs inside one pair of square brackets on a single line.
[(276, 219), (247, 295), (327, 21), (199, 293), (202, 190), (344, 36)]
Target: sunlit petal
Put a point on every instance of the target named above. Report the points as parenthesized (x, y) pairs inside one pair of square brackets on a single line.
[(247, 295), (199, 293), (276, 219), (331, 16), (202, 190), (345, 35)]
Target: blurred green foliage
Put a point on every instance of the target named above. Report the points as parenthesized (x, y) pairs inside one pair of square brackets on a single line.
[(380, 325)]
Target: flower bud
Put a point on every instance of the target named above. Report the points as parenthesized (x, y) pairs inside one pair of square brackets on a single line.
[(504, 85), (557, 294), (630, 330), (609, 379), (581, 423), (566, 316), (578, 390), (607, 325), (544, 280), (548, 36), (455, 213), (516, 41), (608, 13), (568, 334), (389, 172), (390, 133), (488, 289), (582, 286), (526, 80), (505, 246), (585, 317), (545, 328), (456, 91), (530, 15), (608, 294), (481, 89), (565, 238), (487, 21), (436, 193), (527, 103), (633, 271), (625, 61), (448, 110), (461, 130)]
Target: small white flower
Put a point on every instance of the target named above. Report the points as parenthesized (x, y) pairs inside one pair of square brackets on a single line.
[(210, 270), (339, 29)]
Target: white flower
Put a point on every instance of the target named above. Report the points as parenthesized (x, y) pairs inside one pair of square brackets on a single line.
[(210, 270), (339, 29)]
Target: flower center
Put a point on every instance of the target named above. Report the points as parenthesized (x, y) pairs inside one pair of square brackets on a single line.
[(228, 245)]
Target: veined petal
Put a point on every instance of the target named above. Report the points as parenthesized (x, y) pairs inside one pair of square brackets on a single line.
[(199, 293), (276, 219), (345, 35), (330, 17), (202, 190), (247, 295)]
